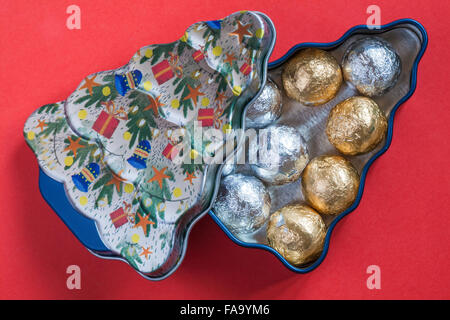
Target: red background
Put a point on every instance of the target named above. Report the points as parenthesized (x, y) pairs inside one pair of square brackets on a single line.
[(402, 223)]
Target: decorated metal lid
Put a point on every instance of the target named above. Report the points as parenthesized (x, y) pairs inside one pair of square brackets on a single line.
[(120, 160)]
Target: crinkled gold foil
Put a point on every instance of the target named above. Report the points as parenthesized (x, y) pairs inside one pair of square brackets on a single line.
[(297, 232), (356, 125), (312, 77), (330, 184)]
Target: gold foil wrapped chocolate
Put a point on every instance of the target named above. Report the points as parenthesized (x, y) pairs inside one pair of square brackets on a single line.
[(371, 65), (297, 232), (356, 125), (312, 77), (330, 184)]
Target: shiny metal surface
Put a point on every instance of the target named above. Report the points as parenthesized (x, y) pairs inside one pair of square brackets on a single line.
[(284, 157), (297, 232), (356, 125), (266, 109), (330, 184), (243, 203), (312, 77), (372, 65), (311, 122)]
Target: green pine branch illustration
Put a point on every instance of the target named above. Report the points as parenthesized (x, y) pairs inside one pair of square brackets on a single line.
[(156, 195), (181, 46), (130, 252), (89, 151), (49, 108), (148, 208), (211, 36), (108, 187), (159, 51), (254, 44), (54, 127), (222, 82), (163, 237), (140, 120), (105, 92), (193, 163), (182, 87)]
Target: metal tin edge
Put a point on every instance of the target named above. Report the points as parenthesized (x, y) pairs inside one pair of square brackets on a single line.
[(369, 162), (54, 194)]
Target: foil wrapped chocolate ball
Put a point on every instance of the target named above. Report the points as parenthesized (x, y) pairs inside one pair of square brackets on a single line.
[(312, 77), (282, 154), (356, 125), (297, 232), (242, 204), (371, 65), (330, 184), (266, 108)]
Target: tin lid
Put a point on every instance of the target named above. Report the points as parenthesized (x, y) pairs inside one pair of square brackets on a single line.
[(138, 149)]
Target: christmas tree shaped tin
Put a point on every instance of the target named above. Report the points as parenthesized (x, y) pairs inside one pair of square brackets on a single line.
[(120, 159)]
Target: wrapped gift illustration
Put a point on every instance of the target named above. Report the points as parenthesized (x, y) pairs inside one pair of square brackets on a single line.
[(108, 120), (198, 55), (245, 68), (206, 117), (170, 151), (119, 217), (163, 71)]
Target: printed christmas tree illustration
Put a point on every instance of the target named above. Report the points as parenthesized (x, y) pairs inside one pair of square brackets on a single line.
[(111, 142)]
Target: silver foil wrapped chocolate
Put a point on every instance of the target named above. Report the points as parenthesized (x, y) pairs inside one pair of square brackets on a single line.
[(371, 65), (282, 155), (242, 204), (266, 108)]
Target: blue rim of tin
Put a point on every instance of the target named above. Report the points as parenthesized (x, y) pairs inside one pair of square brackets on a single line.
[(84, 229), (371, 160)]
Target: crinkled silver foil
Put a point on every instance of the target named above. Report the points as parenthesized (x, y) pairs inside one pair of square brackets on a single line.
[(372, 65), (242, 204), (266, 108), (282, 155)]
